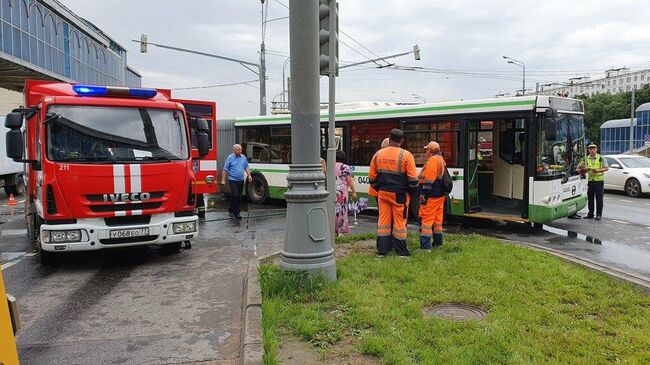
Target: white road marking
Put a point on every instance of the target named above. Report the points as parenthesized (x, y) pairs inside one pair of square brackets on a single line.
[(9, 256), (30, 254), (627, 201), (8, 265), (617, 221), (14, 232)]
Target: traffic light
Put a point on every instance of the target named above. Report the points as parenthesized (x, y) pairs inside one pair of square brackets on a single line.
[(143, 43), (326, 15)]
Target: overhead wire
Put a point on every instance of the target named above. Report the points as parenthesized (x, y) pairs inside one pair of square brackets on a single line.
[(217, 85)]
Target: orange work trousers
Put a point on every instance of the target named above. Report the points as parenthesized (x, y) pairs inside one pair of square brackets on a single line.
[(391, 226), (431, 215)]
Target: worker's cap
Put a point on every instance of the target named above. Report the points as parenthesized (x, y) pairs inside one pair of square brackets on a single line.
[(433, 146), (593, 145)]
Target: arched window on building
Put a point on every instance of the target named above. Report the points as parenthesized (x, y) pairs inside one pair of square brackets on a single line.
[(33, 23)]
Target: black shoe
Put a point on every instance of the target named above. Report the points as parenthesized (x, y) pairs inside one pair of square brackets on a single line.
[(597, 217), (231, 214), (238, 216), (588, 217)]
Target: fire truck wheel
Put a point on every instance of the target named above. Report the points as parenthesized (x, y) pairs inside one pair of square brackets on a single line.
[(258, 189), (200, 206), (33, 228)]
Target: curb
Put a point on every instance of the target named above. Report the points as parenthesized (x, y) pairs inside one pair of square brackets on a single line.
[(252, 348), (640, 281)]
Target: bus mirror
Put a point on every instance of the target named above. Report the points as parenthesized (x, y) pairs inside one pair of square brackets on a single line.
[(14, 120)]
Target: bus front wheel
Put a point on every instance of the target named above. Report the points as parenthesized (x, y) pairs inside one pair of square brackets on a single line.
[(258, 189)]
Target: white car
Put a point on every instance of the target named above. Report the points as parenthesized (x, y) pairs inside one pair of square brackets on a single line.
[(628, 173)]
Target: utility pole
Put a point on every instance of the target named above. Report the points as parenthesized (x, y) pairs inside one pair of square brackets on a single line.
[(263, 65), (262, 79), (632, 122), (328, 60), (308, 243)]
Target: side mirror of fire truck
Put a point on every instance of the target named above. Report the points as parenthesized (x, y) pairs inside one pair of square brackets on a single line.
[(15, 143), (202, 136)]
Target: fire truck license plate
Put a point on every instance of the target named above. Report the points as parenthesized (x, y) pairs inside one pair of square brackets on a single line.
[(124, 233)]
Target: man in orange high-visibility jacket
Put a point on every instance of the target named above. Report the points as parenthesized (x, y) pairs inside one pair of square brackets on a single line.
[(371, 190), (393, 175), (432, 198)]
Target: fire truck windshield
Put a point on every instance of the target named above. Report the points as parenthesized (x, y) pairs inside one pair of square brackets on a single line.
[(93, 134)]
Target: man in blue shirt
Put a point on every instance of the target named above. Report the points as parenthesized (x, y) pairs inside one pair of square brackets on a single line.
[(236, 170)]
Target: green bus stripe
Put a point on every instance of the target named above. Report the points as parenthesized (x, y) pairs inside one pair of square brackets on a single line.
[(397, 112)]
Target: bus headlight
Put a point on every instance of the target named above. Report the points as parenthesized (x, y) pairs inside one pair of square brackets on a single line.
[(73, 235), (184, 227)]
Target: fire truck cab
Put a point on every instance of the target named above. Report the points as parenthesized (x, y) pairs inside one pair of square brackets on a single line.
[(106, 166)]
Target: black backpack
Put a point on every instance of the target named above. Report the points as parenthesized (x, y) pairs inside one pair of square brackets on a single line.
[(447, 182)]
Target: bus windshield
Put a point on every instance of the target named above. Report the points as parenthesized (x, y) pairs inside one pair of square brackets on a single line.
[(113, 134), (561, 146)]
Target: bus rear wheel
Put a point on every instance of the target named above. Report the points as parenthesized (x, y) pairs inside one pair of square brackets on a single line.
[(258, 189)]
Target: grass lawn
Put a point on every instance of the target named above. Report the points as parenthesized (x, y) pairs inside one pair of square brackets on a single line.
[(541, 309)]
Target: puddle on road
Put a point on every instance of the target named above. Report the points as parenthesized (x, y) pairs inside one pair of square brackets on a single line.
[(569, 234), (609, 252)]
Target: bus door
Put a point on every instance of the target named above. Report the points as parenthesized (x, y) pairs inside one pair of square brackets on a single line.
[(205, 169), (472, 153)]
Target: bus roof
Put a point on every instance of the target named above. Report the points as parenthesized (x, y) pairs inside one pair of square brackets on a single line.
[(521, 103)]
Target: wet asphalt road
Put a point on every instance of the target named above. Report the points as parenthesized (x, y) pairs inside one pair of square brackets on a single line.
[(144, 306), (136, 306)]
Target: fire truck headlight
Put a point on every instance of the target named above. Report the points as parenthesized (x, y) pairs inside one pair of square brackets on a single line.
[(184, 227), (73, 235)]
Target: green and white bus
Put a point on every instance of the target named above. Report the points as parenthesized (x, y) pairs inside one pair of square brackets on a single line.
[(514, 159)]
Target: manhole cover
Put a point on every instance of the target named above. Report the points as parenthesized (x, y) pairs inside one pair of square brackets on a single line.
[(455, 312)]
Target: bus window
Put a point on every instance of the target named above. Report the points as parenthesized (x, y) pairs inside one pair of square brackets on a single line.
[(418, 134), (485, 143), (365, 140), (281, 144), (511, 140)]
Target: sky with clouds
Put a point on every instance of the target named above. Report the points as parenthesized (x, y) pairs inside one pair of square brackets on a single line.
[(463, 39)]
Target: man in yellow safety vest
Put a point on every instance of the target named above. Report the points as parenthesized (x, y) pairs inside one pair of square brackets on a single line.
[(596, 167)]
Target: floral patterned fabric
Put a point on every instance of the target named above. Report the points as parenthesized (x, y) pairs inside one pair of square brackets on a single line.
[(343, 177)]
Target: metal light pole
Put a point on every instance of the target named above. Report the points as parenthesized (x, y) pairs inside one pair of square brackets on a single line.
[(632, 122), (523, 67), (284, 79), (308, 244)]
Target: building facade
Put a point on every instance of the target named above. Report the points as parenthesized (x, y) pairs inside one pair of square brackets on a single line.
[(615, 81), (43, 39), (615, 134)]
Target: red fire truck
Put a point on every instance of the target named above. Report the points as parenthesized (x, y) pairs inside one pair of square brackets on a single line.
[(205, 169), (106, 166)]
